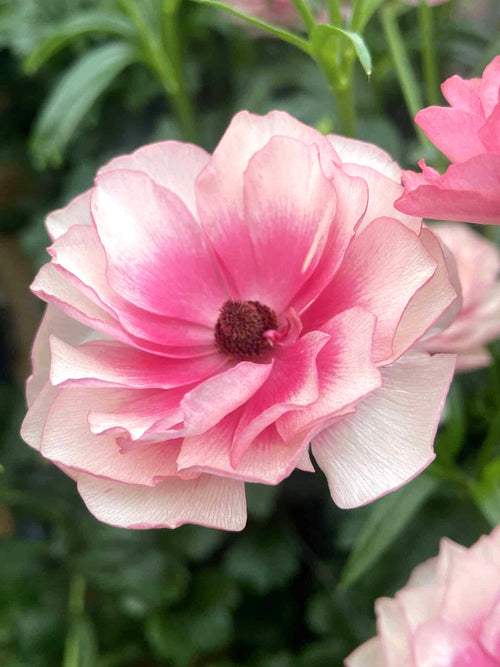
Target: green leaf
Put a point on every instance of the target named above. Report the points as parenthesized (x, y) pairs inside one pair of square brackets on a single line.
[(74, 95), (362, 12), (327, 41), (83, 24), (451, 438), (386, 521), (486, 492)]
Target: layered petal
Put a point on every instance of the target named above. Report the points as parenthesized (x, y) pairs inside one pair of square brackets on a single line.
[(388, 440)]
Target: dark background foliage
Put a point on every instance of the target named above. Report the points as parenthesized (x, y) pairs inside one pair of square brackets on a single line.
[(296, 587)]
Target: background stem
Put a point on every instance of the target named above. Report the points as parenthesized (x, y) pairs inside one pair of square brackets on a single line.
[(429, 60)]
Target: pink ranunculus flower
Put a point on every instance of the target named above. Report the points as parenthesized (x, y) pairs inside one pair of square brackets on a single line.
[(468, 133), (478, 322), (211, 315), (447, 615), (277, 12)]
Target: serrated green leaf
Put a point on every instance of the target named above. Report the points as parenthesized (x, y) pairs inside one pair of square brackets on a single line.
[(386, 521), (326, 40), (91, 22), (71, 99)]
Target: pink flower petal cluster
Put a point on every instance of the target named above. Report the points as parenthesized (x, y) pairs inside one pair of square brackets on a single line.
[(468, 133), (211, 315), (447, 615), (478, 322), (277, 12)]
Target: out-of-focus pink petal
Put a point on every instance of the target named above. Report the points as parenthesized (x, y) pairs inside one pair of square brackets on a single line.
[(468, 191), (219, 188), (369, 654), (382, 270), (110, 363), (157, 255), (490, 632), (489, 88), (365, 154), (443, 125), (393, 630), (490, 131), (77, 212), (288, 203), (346, 372), (441, 644), (463, 94), (172, 164), (395, 424), (292, 383), (208, 501)]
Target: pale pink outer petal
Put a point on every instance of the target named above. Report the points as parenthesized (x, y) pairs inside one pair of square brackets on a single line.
[(112, 364), (490, 632), (219, 187), (288, 203), (369, 654), (394, 633), (435, 304), (157, 255), (215, 502), (467, 191), (77, 212), (346, 372), (441, 644), (382, 175), (172, 164), (443, 126), (268, 460), (489, 88), (382, 270), (292, 383), (490, 131), (34, 421), (389, 440), (473, 360)]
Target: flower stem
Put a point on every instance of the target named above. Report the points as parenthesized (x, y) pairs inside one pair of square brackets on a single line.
[(334, 12), (429, 60), (180, 97), (305, 13), (344, 96), (404, 70), (76, 605)]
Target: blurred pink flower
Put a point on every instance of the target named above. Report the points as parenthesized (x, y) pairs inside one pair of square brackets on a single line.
[(209, 316), (468, 133), (447, 615), (478, 322), (277, 12), (431, 3)]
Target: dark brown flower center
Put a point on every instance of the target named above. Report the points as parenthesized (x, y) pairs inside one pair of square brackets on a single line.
[(240, 329)]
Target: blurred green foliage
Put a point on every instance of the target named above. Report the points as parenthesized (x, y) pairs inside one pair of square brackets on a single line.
[(296, 588)]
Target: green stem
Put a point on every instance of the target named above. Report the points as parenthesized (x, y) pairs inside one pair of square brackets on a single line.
[(334, 12), (406, 76), (429, 60), (172, 45), (76, 605), (305, 13), (344, 96)]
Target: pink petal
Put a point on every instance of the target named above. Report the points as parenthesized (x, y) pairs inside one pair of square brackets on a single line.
[(112, 364), (293, 383), (172, 164), (369, 654), (219, 188), (205, 405), (288, 203), (443, 125), (382, 269), (346, 372), (77, 212), (463, 94), (393, 632), (489, 133), (468, 192), (389, 440), (79, 253), (365, 154), (489, 88), (490, 632), (157, 255), (34, 422), (268, 460), (440, 644), (208, 501), (436, 297), (67, 440)]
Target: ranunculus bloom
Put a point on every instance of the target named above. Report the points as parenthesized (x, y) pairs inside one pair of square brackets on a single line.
[(211, 315), (478, 322), (447, 615), (278, 12), (468, 133)]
